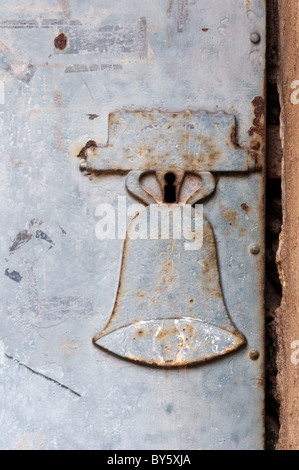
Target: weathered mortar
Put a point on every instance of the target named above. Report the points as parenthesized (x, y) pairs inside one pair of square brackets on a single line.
[(288, 256)]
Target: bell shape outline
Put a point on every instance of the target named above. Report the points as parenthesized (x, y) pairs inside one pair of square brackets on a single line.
[(169, 309)]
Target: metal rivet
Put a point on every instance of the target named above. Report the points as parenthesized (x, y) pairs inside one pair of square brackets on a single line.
[(255, 145), (255, 38), (254, 249), (254, 354)]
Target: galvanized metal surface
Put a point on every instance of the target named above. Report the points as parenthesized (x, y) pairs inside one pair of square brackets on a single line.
[(65, 67)]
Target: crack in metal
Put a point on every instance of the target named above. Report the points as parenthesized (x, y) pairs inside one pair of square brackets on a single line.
[(42, 375)]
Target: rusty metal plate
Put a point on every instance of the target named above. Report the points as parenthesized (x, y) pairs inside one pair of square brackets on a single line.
[(160, 141), (88, 79)]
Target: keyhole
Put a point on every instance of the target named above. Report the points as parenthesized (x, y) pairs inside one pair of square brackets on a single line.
[(169, 189)]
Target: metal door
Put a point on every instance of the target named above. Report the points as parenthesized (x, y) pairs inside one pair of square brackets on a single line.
[(94, 96)]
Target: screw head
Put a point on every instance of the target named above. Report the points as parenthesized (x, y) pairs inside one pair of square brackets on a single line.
[(255, 38), (254, 354), (254, 249)]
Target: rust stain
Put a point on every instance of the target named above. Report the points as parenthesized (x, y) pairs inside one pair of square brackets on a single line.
[(258, 128), (210, 148), (154, 27), (183, 11), (190, 332), (68, 347), (140, 333), (65, 7), (119, 293), (259, 109), (181, 364), (33, 112), (205, 29), (210, 268), (140, 294), (247, 4), (216, 293), (208, 238), (185, 137), (245, 207), (148, 152), (168, 273), (16, 163), (88, 145), (58, 137), (242, 232), (112, 120), (60, 42), (233, 137), (165, 333), (58, 99), (92, 116), (169, 8), (230, 215), (255, 144)]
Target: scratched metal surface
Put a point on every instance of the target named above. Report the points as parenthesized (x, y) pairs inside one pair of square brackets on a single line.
[(57, 389)]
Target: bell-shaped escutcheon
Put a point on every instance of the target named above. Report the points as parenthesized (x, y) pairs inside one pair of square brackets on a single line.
[(169, 308)]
